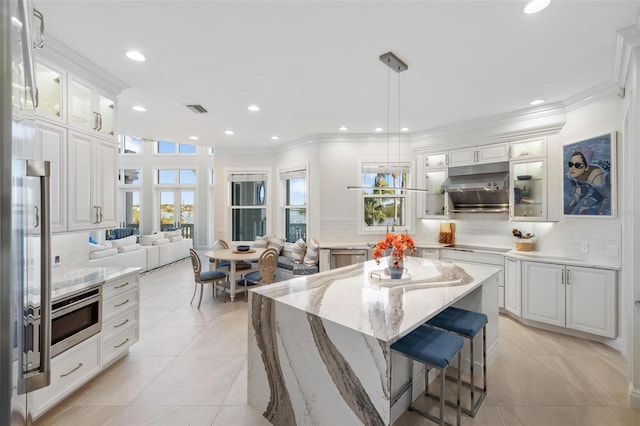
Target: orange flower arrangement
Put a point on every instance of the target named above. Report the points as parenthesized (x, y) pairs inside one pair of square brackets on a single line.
[(401, 244)]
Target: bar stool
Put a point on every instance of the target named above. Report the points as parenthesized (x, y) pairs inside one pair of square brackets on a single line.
[(435, 349), (467, 324)]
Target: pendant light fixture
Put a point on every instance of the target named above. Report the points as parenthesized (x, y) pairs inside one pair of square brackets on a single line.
[(396, 64)]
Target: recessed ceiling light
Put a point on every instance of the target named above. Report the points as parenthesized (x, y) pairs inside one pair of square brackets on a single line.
[(228, 132), (377, 129), (535, 6), (275, 138), (536, 102), (194, 138), (139, 108), (343, 128), (134, 55), (404, 129), (253, 108)]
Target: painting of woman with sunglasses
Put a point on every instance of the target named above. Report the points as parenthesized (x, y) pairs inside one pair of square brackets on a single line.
[(587, 188)]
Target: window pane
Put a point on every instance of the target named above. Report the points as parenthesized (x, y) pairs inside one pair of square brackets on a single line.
[(296, 224), (131, 145), (132, 209), (382, 211), (166, 176), (167, 208), (248, 193), (165, 147), (384, 180), (248, 224), (131, 176), (187, 176), (184, 148), (296, 192), (186, 206)]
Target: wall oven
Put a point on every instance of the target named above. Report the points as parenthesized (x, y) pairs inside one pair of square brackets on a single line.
[(75, 318)]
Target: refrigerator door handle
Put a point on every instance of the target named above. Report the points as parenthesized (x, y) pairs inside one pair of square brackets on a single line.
[(42, 378), (37, 217), (40, 16)]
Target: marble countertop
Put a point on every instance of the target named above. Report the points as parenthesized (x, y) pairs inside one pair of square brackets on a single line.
[(540, 256), (65, 282), (382, 308)]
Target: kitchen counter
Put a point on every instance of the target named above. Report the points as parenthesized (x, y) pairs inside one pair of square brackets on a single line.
[(539, 256), (319, 345)]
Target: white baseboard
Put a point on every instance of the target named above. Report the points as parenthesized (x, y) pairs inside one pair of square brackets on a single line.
[(634, 397)]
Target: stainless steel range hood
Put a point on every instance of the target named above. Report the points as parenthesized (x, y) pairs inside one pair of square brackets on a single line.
[(482, 188)]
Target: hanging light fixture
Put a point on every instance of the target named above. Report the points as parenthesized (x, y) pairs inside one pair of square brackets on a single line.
[(396, 64)]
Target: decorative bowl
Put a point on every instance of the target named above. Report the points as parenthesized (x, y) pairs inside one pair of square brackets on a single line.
[(243, 248), (523, 177)]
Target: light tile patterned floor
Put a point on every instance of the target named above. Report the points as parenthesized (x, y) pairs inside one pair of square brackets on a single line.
[(189, 368)]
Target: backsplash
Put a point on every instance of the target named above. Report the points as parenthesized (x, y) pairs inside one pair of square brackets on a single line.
[(71, 249)]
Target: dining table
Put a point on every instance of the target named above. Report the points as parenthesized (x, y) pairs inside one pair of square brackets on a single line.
[(234, 256)]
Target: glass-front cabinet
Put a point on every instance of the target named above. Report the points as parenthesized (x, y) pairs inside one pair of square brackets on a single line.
[(528, 149), (49, 92), (90, 109), (433, 204), (528, 194), (437, 160)]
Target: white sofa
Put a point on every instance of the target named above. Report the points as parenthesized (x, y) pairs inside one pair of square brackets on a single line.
[(156, 250)]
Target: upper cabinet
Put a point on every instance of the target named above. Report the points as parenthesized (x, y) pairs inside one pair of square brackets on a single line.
[(528, 191), (479, 155), (528, 149), (90, 108), (49, 93), (433, 171)]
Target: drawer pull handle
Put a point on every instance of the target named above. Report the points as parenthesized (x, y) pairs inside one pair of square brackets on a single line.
[(75, 369), (121, 324), (120, 304), (125, 341), (123, 285)]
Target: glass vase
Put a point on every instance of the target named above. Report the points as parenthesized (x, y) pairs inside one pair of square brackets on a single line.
[(396, 267)]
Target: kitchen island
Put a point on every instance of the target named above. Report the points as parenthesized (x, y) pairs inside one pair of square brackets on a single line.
[(319, 345)]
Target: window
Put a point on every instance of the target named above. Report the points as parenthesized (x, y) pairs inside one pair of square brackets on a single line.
[(384, 201), (248, 194), (130, 176), (166, 147), (129, 145), (173, 176), (295, 204)]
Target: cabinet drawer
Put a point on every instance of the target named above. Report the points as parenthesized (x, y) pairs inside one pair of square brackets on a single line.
[(69, 371), (117, 345), (120, 285), (470, 256), (119, 303), (119, 323)]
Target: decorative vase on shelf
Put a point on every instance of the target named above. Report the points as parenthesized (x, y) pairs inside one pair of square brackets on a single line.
[(396, 268)]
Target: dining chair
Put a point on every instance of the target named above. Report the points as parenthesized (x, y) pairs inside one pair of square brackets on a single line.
[(224, 265), (202, 278), (266, 273)]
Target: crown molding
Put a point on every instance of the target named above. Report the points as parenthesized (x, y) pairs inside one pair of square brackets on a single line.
[(63, 55), (537, 121), (595, 93), (628, 39)]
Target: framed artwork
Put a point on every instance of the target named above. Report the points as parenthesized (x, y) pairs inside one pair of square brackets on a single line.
[(589, 187)]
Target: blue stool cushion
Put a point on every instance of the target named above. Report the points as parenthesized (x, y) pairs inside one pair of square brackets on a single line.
[(212, 275), (429, 345), (224, 264), (254, 276), (461, 321)]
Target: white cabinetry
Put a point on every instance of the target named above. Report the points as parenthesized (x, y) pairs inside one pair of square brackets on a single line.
[(578, 298), (50, 92), (433, 171), (120, 326), (512, 297), (69, 370), (527, 149), (92, 185), (479, 155), (324, 260), (90, 108), (51, 141), (528, 194)]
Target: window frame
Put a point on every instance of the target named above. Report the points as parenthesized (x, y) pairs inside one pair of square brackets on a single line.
[(284, 175), (228, 219)]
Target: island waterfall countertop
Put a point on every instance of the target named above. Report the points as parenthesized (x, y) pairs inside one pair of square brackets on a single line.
[(319, 348)]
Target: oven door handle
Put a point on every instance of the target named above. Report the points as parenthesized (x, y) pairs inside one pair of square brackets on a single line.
[(42, 378)]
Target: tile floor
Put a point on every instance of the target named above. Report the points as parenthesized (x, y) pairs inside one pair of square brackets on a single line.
[(189, 368)]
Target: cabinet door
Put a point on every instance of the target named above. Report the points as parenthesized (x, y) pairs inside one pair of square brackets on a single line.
[(434, 201), (529, 148), (106, 115), (462, 157), (436, 161), (512, 286), (81, 211), (591, 300), (52, 141), (492, 153), (81, 111), (528, 194), (105, 175), (50, 92), (544, 292)]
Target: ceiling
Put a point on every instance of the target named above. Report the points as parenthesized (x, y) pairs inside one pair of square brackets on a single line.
[(313, 66)]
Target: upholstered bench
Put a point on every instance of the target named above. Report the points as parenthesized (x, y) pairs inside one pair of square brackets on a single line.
[(288, 268)]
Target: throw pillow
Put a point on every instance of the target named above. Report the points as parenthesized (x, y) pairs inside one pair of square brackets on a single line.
[(276, 243), (169, 234), (260, 242), (311, 256), (147, 240), (299, 249), (127, 249), (124, 241), (175, 238), (161, 241)]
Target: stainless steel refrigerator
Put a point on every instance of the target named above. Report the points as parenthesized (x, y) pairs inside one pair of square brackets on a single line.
[(24, 220)]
